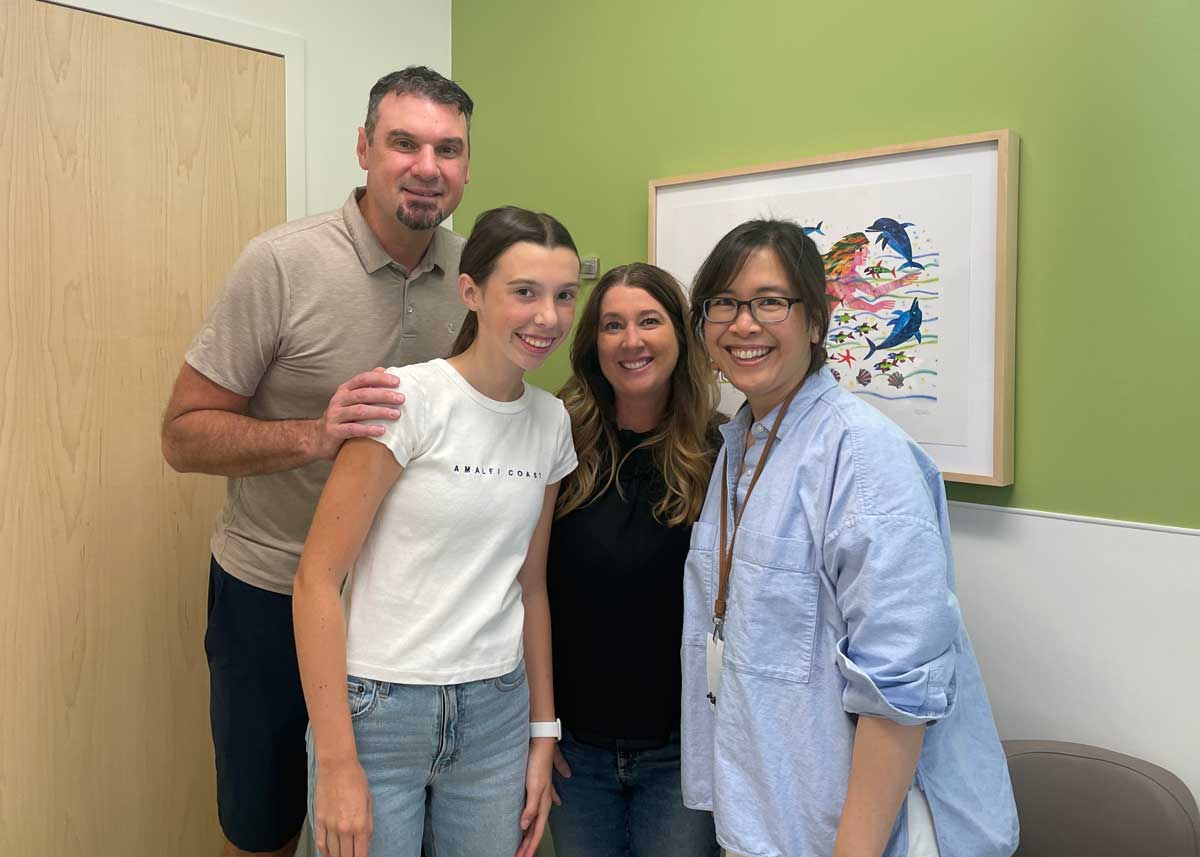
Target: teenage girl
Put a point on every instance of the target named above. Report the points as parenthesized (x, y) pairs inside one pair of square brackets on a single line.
[(429, 689)]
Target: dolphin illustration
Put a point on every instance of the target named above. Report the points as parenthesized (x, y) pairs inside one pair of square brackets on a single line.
[(809, 230), (892, 234), (905, 326)]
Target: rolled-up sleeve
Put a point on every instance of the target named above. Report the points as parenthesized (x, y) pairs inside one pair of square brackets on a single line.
[(903, 624)]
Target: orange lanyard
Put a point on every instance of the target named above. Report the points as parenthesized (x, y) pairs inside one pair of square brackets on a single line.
[(726, 565)]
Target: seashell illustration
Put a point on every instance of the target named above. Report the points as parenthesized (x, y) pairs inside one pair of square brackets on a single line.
[(863, 377), (837, 376), (896, 380)]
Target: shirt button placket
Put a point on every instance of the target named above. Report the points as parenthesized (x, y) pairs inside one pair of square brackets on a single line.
[(405, 322)]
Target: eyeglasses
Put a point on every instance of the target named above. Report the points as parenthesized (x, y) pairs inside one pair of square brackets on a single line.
[(766, 310)]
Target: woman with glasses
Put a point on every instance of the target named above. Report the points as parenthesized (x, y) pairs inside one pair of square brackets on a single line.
[(642, 407), (831, 700)]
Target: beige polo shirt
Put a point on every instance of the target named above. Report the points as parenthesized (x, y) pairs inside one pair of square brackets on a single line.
[(307, 306)]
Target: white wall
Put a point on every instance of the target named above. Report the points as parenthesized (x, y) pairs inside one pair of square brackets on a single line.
[(349, 44), (1086, 630)]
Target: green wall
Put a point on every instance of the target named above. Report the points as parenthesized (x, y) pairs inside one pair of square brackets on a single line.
[(580, 104)]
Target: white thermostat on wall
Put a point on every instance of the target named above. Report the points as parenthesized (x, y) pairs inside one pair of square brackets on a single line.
[(589, 267)]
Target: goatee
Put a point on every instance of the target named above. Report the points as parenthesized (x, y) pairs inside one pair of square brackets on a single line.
[(420, 220)]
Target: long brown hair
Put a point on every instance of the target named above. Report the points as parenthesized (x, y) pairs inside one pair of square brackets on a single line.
[(682, 445), (496, 230)]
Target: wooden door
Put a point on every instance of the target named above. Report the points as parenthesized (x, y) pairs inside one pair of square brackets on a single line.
[(134, 163)]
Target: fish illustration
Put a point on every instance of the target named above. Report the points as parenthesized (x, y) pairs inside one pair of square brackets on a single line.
[(811, 230), (878, 270), (893, 235), (905, 326)]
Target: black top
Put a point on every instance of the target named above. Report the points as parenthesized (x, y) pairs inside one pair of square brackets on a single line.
[(615, 580)]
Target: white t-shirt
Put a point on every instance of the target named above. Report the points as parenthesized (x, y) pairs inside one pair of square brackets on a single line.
[(433, 597)]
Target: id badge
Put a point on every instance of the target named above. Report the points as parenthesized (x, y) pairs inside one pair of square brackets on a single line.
[(714, 647)]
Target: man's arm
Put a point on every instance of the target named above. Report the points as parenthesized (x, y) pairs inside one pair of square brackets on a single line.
[(206, 429)]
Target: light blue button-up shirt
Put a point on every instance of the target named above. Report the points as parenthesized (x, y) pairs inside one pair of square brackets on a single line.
[(841, 603)]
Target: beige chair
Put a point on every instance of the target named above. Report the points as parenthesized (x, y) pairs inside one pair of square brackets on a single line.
[(1074, 800)]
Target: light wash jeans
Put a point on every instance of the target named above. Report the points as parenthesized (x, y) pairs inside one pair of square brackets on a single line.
[(626, 803), (451, 756)]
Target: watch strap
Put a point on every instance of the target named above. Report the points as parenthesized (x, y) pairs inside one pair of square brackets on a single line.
[(546, 729)]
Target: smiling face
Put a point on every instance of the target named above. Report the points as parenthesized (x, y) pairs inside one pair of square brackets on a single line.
[(417, 161), (637, 345), (527, 304), (764, 361)]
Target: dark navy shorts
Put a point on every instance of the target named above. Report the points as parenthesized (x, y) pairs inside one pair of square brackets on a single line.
[(258, 713)]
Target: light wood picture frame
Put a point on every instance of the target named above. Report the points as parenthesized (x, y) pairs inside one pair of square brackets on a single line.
[(919, 243)]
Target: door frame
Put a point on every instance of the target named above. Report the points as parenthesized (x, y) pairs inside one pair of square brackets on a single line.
[(205, 25)]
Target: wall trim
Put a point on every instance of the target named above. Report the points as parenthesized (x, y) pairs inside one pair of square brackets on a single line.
[(1077, 623), (1081, 519), (240, 34)]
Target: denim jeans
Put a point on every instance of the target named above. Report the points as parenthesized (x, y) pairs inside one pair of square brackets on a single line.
[(626, 802), (451, 756)]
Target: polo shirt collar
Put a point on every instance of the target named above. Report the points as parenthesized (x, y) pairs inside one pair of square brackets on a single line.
[(371, 253), (439, 254), (366, 245)]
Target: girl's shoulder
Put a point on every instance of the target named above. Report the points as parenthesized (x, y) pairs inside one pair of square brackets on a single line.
[(545, 403), (425, 374)]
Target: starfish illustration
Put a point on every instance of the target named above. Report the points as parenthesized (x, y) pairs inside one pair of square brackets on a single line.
[(845, 357)]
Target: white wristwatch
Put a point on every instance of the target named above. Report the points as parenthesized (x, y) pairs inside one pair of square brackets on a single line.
[(546, 729)]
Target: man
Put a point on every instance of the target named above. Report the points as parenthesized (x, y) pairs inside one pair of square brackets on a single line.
[(260, 400)]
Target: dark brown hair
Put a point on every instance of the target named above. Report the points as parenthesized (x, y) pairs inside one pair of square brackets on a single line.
[(797, 254), (496, 230), (682, 445), (422, 81)]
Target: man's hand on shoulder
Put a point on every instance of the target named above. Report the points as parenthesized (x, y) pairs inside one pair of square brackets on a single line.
[(207, 429), (367, 396)]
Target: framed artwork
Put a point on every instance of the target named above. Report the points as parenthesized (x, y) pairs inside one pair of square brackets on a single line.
[(919, 247)]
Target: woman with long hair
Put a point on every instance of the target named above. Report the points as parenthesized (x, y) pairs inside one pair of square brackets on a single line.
[(831, 701), (642, 407), (430, 697)]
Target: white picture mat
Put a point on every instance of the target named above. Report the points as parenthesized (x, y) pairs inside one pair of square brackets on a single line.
[(682, 240)]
